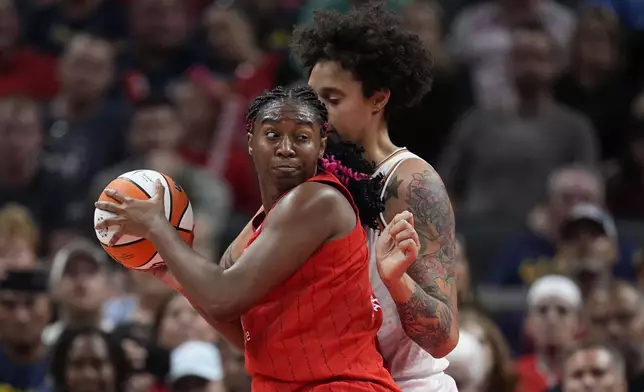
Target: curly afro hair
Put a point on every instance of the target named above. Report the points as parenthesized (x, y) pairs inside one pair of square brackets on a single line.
[(370, 42)]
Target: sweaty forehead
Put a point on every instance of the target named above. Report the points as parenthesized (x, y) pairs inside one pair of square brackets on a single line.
[(277, 111)]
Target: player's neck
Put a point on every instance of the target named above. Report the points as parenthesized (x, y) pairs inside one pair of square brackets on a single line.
[(377, 144)]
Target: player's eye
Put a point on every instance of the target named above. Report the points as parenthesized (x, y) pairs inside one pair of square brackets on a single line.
[(271, 134)]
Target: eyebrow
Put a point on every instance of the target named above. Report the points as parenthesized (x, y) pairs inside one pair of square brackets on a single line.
[(331, 90)]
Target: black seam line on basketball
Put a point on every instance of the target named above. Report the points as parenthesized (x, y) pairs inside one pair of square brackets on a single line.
[(136, 241), (136, 185), (169, 193), (183, 213), (156, 252)]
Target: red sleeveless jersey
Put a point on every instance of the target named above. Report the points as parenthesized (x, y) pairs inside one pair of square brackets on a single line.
[(317, 331)]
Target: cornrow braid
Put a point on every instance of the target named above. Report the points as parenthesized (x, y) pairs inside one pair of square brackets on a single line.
[(343, 159)]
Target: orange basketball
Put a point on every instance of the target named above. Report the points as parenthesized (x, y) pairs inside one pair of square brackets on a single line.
[(136, 252)]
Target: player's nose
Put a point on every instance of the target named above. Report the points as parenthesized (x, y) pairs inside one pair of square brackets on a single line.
[(285, 148)]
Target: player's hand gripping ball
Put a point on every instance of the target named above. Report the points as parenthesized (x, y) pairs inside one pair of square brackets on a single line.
[(128, 209), (397, 247)]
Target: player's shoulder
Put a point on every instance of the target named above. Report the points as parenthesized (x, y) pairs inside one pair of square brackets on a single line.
[(413, 179), (311, 198)]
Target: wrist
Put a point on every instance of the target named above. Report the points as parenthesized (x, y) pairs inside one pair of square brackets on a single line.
[(401, 288), (158, 229)]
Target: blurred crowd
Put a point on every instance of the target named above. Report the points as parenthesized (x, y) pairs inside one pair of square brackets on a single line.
[(535, 122)]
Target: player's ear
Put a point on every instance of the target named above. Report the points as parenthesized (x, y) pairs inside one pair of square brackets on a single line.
[(249, 138), (322, 147), (379, 100)]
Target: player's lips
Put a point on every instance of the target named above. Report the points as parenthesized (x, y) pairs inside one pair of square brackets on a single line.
[(285, 168)]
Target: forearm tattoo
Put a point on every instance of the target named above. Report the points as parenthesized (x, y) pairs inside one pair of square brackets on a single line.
[(429, 314)]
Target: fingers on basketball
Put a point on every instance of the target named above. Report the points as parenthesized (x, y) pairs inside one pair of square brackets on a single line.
[(140, 252)]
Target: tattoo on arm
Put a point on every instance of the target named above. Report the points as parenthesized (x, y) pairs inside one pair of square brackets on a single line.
[(429, 314), (391, 191)]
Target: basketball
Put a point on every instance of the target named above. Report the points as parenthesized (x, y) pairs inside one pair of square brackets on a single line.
[(139, 253)]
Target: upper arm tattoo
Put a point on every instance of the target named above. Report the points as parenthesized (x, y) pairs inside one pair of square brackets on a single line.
[(434, 222)]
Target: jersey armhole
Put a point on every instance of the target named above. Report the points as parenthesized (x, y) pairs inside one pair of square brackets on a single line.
[(388, 176)]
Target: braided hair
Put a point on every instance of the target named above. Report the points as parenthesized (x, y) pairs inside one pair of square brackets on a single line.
[(341, 158)]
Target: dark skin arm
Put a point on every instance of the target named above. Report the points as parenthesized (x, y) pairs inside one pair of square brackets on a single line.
[(288, 239), (426, 294), (232, 331)]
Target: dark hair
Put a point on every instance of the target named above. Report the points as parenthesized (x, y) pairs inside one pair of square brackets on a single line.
[(371, 43), (343, 159), (58, 368), (153, 102), (616, 357)]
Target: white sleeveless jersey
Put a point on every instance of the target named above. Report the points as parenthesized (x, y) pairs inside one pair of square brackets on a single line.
[(413, 369)]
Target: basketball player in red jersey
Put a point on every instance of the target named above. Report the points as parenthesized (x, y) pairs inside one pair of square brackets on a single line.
[(301, 286), (365, 67)]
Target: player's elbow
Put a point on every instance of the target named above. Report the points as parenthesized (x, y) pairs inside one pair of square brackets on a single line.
[(446, 347), (223, 312)]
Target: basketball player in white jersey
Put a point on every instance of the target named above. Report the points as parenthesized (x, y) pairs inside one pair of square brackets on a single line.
[(364, 66)]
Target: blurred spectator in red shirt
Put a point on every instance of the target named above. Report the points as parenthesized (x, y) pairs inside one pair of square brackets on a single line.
[(22, 71)]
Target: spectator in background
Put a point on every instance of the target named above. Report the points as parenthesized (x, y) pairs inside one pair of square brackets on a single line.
[(444, 104), (154, 136), (196, 367), (79, 283), (159, 52), (553, 323), (589, 251), (465, 363), (140, 305), (481, 38), (532, 253), (343, 6), (25, 310), (212, 139), (22, 71), (87, 359), (18, 238), (625, 187), (497, 162), (594, 84), (616, 315), (235, 52), (23, 179), (51, 25), (498, 367), (594, 366), (84, 129), (464, 287), (178, 322)]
